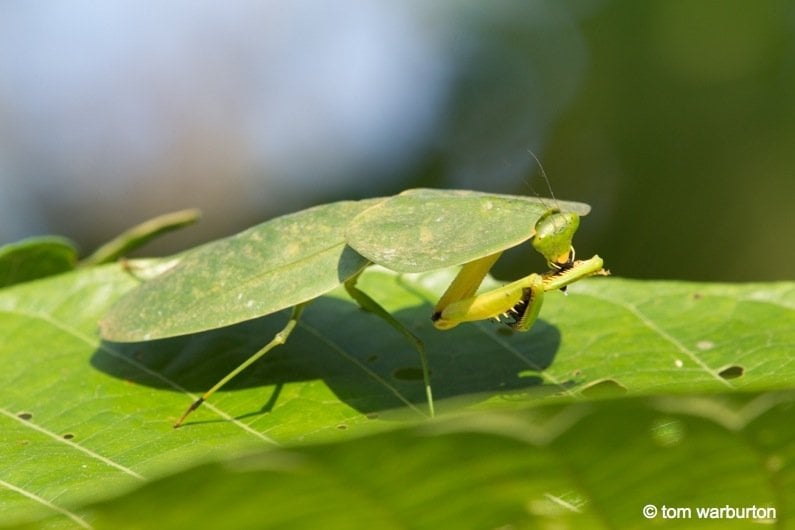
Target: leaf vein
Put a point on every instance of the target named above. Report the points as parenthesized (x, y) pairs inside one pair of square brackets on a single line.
[(30, 495), (157, 375), (649, 323), (105, 460)]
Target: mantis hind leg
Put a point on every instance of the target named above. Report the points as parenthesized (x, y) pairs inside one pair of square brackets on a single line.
[(278, 339), (369, 304)]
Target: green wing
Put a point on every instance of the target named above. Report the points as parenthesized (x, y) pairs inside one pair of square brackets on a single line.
[(269, 267), (425, 229), (298, 257)]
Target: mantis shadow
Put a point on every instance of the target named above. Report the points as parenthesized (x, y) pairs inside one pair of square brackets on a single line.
[(362, 360)]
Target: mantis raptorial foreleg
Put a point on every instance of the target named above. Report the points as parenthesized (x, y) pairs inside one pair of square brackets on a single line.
[(517, 303)]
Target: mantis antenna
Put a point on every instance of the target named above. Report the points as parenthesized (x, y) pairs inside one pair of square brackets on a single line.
[(543, 174)]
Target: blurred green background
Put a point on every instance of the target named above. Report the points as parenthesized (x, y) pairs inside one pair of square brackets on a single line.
[(675, 120)]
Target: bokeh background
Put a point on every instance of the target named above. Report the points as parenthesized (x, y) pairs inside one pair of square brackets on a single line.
[(675, 120)]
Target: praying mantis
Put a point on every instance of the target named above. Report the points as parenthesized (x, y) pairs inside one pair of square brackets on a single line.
[(291, 260)]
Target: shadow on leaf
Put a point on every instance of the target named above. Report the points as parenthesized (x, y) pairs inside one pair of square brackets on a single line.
[(362, 360)]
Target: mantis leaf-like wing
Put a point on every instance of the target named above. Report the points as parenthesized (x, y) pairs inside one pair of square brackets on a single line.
[(269, 267), (424, 229)]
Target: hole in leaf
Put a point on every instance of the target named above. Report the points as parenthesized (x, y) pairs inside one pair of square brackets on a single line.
[(68, 436), (604, 388), (667, 432), (341, 427), (24, 415), (732, 371), (408, 374)]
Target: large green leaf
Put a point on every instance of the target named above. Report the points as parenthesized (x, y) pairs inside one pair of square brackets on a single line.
[(82, 419), (600, 466)]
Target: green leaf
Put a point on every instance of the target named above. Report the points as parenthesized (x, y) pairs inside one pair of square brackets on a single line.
[(39, 257), (574, 466), (84, 420), (34, 258)]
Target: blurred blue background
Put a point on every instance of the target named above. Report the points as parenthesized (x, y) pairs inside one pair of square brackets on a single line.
[(674, 120)]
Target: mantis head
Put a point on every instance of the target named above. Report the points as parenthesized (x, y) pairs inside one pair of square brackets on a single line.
[(554, 232)]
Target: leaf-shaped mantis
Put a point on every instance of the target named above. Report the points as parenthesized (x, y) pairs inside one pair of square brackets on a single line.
[(291, 260)]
